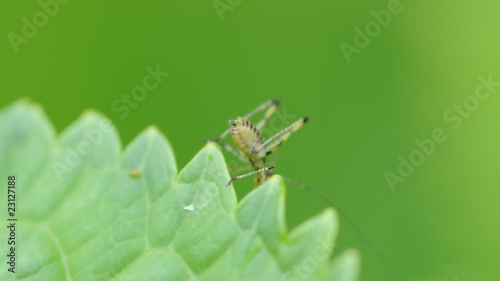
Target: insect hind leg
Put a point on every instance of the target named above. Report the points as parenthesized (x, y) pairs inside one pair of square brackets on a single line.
[(270, 111), (280, 137)]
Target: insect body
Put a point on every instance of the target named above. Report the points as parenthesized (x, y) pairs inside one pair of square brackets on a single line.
[(252, 148)]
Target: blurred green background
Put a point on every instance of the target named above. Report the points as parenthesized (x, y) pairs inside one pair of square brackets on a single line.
[(441, 223)]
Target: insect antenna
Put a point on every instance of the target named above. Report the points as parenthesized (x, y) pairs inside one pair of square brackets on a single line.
[(350, 222)]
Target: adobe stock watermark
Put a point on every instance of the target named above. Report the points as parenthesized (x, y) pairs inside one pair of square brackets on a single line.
[(150, 81), (30, 27), (223, 6), (280, 120), (307, 267), (74, 155), (453, 117), (363, 37)]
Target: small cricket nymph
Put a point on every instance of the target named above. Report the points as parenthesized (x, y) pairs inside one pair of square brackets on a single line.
[(252, 148)]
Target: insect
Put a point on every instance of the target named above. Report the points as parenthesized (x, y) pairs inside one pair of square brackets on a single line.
[(252, 148)]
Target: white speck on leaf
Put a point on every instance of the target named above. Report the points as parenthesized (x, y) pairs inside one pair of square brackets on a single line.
[(189, 207)]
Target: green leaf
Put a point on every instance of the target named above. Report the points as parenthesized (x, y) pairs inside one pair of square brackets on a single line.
[(88, 210)]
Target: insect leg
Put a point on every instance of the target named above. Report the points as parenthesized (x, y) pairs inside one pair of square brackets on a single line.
[(280, 137), (250, 174), (233, 151), (271, 104), (270, 111)]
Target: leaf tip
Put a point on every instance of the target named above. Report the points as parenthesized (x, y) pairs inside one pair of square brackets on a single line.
[(278, 182), (27, 104), (212, 145), (330, 216), (329, 213), (152, 129), (212, 148), (352, 254), (25, 101), (90, 116)]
